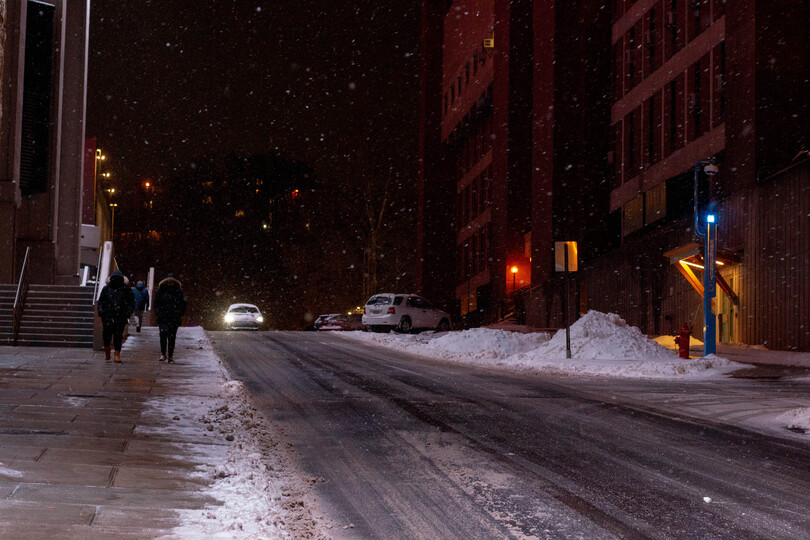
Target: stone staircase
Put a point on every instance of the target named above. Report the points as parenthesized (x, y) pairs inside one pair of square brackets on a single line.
[(7, 293), (54, 316)]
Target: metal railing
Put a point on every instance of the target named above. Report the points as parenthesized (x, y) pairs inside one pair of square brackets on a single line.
[(19, 299)]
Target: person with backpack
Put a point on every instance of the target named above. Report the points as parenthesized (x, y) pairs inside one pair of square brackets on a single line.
[(170, 306), (115, 306), (141, 295)]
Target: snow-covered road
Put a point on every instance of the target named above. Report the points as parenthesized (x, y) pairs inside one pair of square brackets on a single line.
[(408, 446)]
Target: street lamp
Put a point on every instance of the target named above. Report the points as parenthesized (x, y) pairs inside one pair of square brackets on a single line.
[(113, 206), (514, 278), (709, 263)]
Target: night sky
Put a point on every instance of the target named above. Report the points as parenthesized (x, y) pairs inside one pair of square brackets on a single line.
[(333, 84), (180, 87)]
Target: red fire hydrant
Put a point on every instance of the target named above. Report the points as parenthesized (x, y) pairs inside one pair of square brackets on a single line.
[(682, 341)]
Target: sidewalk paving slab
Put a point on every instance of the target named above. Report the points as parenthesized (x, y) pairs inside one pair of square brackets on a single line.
[(82, 452)]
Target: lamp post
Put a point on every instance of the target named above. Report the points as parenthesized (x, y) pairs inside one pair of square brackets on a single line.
[(514, 270), (112, 221), (709, 264)]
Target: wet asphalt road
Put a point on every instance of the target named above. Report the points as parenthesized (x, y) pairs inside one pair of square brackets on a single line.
[(412, 448)]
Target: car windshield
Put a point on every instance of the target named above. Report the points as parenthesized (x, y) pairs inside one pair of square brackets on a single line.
[(244, 309), (379, 300)]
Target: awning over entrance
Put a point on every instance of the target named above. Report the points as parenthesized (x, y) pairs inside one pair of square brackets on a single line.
[(689, 257)]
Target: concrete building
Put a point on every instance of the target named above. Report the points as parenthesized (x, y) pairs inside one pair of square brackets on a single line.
[(599, 113), (44, 48)]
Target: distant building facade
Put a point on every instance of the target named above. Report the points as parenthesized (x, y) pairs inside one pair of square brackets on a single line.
[(44, 51), (598, 114)]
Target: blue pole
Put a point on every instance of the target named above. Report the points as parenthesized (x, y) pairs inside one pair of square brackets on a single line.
[(709, 270), (709, 291)]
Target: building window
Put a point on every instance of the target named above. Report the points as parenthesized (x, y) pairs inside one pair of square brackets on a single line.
[(655, 203), (630, 59), (671, 23), (674, 99), (618, 69), (653, 128), (695, 105), (36, 109), (633, 143), (718, 9), (615, 157), (719, 84), (652, 37), (645, 209), (633, 215)]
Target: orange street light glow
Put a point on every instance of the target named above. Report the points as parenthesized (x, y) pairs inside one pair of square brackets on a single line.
[(514, 269)]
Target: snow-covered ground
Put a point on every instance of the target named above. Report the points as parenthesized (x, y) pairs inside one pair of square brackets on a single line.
[(602, 344), (262, 491)]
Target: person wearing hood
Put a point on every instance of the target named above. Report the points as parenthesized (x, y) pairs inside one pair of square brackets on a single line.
[(141, 295), (115, 306), (170, 306)]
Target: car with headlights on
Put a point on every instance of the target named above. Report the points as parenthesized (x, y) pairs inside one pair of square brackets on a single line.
[(243, 317), (403, 313)]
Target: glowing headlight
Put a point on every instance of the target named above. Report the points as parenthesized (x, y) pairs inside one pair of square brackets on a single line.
[(259, 319), (229, 318)]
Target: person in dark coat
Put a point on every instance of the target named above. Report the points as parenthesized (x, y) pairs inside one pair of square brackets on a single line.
[(141, 295), (115, 306), (170, 306)]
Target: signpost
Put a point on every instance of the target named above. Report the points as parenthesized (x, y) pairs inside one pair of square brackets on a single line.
[(565, 260)]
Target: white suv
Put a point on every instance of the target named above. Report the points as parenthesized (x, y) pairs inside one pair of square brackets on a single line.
[(403, 312)]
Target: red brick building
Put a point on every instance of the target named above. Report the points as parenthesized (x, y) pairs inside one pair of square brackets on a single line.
[(596, 115)]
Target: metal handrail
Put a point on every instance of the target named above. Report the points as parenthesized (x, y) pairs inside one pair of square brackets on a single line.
[(98, 274), (19, 299)]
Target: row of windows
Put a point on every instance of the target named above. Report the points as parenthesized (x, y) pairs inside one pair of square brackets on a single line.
[(470, 69), (475, 145), (658, 35), (645, 209), (474, 198), (473, 254), (684, 109)]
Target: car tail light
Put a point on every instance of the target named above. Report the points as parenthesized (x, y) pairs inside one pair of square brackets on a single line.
[(364, 310), (392, 311)]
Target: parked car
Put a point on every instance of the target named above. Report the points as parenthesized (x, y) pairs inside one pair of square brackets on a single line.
[(343, 322), (321, 320), (403, 312), (243, 317)]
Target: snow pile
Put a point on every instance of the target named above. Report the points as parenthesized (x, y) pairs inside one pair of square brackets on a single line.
[(599, 335), (796, 419), (602, 344), (477, 345), (487, 343)]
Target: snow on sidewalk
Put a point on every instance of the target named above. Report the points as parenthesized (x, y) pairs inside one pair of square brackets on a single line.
[(602, 344), (262, 491)]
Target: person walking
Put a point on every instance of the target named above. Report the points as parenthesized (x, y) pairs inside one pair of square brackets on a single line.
[(170, 306), (141, 295), (115, 306)]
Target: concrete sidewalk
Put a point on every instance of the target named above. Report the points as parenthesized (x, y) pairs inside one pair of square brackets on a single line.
[(82, 452)]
